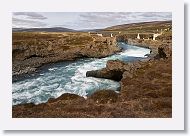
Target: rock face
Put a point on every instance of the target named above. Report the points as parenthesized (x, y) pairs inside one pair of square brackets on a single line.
[(115, 70), (104, 73), (163, 43), (153, 80), (147, 94), (32, 50), (161, 53)]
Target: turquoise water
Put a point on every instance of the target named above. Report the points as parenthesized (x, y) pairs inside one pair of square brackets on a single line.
[(70, 77)]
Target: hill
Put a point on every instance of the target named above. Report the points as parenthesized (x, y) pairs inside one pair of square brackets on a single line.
[(151, 27), (52, 29)]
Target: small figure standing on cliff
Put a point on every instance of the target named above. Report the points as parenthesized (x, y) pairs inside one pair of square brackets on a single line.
[(138, 36)]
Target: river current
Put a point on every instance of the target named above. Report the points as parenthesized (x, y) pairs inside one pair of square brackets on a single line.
[(70, 77)]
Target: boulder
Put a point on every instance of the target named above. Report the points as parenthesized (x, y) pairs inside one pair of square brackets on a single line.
[(114, 70), (104, 73), (161, 53)]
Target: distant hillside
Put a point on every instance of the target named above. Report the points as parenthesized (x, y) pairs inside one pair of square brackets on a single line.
[(90, 30), (53, 29), (148, 27), (141, 27)]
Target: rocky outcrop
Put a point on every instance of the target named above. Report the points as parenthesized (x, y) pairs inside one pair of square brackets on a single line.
[(115, 70), (32, 50), (161, 53), (162, 41), (147, 94), (152, 80), (104, 73)]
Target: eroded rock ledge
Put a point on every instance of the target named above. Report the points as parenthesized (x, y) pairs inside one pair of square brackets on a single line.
[(115, 70), (164, 43), (32, 50), (147, 93)]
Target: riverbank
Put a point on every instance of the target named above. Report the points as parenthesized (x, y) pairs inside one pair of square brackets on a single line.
[(70, 77), (31, 50), (147, 94), (146, 91)]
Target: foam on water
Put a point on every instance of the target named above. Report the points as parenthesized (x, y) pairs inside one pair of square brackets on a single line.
[(71, 77)]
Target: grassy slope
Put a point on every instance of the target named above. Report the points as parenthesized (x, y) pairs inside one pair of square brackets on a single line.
[(144, 27)]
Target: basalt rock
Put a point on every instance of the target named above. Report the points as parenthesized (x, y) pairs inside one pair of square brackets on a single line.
[(104, 73), (32, 50), (148, 94), (115, 70), (161, 53)]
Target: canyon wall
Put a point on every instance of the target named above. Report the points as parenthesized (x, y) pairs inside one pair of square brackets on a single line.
[(32, 50)]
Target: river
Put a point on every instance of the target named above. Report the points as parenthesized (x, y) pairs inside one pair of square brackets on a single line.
[(70, 77)]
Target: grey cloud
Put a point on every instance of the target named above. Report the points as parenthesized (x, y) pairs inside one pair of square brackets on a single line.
[(30, 15), (98, 16), (88, 20), (26, 23), (157, 14), (102, 19)]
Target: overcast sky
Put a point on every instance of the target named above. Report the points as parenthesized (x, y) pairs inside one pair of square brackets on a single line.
[(84, 20)]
